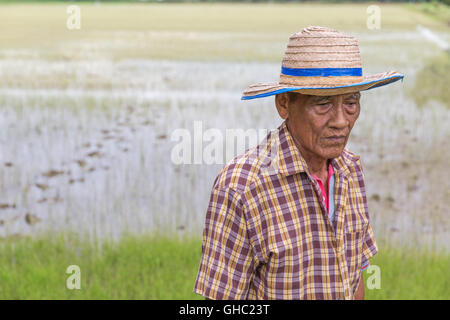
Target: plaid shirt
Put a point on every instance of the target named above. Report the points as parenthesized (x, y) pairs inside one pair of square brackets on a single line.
[(267, 234)]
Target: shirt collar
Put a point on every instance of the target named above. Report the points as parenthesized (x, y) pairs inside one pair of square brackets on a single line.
[(289, 161)]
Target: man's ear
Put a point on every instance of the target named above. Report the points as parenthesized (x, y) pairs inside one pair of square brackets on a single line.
[(282, 101)]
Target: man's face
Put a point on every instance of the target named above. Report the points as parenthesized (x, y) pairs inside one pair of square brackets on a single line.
[(319, 125)]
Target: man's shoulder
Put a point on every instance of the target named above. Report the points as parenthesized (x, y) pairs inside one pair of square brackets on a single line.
[(246, 168), (350, 157), (351, 161), (240, 172)]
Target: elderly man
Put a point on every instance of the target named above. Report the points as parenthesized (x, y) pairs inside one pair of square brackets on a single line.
[(289, 219)]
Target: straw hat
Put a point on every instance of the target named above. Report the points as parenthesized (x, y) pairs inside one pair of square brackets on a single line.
[(321, 61)]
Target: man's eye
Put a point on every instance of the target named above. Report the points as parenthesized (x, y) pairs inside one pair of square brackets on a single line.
[(350, 106), (323, 107)]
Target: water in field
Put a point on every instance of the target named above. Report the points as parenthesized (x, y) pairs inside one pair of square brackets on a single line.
[(87, 140)]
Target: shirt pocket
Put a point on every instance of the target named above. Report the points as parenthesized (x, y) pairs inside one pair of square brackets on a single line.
[(356, 222), (354, 235)]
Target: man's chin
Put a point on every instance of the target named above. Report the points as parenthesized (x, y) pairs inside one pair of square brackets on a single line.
[(334, 152)]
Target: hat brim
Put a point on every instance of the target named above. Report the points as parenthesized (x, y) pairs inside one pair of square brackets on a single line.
[(261, 90)]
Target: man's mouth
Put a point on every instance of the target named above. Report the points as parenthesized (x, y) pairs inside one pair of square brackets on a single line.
[(335, 139)]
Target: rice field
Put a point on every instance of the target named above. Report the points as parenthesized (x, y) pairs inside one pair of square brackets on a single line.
[(88, 116)]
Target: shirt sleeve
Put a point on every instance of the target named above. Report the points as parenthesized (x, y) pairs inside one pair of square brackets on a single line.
[(369, 248), (227, 265)]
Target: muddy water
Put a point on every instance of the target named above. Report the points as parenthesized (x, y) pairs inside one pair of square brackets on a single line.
[(98, 160)]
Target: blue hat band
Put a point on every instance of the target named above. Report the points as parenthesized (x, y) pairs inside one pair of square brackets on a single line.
[(322, 72)]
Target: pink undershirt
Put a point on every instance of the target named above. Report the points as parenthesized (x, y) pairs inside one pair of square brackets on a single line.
[(322, 188), (325, 198)]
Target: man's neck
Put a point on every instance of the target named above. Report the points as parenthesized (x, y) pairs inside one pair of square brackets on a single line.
[(317, 165)]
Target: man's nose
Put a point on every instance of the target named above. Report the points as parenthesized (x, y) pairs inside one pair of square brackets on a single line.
[(339, 120)]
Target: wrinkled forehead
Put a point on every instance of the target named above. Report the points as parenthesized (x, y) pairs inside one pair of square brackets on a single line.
[(346, 96), (305, 98)]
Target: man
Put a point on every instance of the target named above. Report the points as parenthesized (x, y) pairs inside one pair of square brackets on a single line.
[(289, 218)]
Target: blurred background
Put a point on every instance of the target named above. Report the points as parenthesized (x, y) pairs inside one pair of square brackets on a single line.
[(91, 93)]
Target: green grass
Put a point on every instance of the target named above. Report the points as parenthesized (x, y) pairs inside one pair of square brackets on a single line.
[(410, 274), (427, 87), (434, 9), (134, 268), (148, 268)]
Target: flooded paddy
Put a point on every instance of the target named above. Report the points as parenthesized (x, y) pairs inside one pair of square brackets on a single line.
[(87, 135)]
